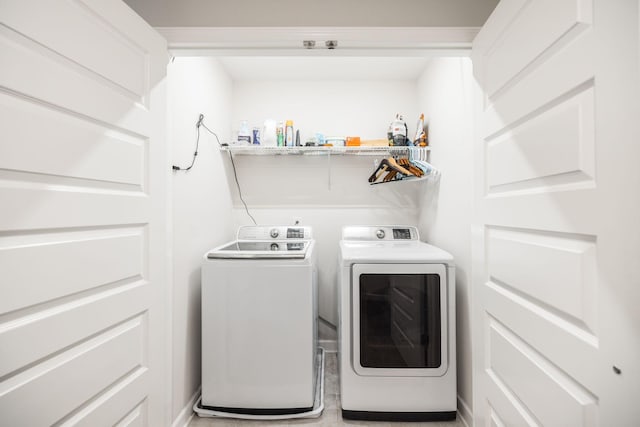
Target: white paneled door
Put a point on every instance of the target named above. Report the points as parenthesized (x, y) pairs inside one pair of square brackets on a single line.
[(82, 215), (557, 240)]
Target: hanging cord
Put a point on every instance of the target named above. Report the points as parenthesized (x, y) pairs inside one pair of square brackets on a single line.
[(195, 154)]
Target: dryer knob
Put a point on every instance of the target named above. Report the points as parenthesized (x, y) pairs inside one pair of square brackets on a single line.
[(380, 234), (274, 232)]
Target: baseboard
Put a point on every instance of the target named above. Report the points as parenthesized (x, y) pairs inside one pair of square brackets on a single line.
[(465, 412), (184, 417), (330, 346)]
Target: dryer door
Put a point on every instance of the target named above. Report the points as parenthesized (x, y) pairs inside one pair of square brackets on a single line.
[(399, 319)]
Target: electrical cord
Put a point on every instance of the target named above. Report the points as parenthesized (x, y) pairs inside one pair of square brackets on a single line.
[(235, 175), (195, 154)]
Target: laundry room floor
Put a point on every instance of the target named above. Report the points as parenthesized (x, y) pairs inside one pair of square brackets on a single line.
[(331, 416)]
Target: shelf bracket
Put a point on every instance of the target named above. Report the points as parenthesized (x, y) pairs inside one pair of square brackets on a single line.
[(329, 170)]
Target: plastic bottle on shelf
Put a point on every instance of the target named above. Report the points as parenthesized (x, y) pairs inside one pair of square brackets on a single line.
[(399, 131), (280, 134), (269, 134), (288, 133), (244, 134)]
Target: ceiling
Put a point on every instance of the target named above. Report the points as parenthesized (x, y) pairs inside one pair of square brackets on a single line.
[(325, 13)]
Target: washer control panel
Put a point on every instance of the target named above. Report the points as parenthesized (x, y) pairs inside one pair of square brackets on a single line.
[(296, 233), (274, 232), (380, 233)]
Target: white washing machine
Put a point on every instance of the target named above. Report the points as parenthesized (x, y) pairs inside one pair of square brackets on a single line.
[(396, 334), (259, 327)]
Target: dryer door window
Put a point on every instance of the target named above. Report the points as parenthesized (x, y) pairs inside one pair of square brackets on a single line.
[(400, 323)]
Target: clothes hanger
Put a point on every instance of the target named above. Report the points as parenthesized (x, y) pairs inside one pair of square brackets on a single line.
[(407, 164), (397, 167), (389, 164), (379, 170), (414, 160), (402, 167), (421, 164), (389, 177)]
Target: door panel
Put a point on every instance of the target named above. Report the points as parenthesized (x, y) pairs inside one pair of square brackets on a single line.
[(119, 345), (563, 277), (82, 229), (531, 33), (108, 156), (517, 158), (555, 233), (58, 266), (527, 373), (123, 67)]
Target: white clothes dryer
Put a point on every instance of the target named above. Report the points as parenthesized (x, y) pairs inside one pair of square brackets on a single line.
[(259, 327), (396, 334)]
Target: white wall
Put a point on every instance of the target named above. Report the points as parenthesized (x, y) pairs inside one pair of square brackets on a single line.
[(201, 205), (323, 193), (358, 107), (446, 210), (295, 13)]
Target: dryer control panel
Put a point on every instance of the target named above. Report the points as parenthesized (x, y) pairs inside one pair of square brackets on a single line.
[(274, 232), (402, 234), (380, 233)]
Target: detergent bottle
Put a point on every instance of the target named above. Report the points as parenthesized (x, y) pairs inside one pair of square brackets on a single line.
[(399, 131)]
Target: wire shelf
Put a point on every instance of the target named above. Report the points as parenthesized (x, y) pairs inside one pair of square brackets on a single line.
[(251, 150)]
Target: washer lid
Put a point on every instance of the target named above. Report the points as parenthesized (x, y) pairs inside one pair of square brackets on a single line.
[(240, 249)]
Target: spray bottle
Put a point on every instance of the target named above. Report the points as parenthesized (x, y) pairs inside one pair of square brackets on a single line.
[(421, 137)]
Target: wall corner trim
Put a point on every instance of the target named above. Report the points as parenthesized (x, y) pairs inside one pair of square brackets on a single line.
[(186, 414), (199, 40), (465, 413)]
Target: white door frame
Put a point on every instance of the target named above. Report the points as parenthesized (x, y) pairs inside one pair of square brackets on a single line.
[(287, 41)]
